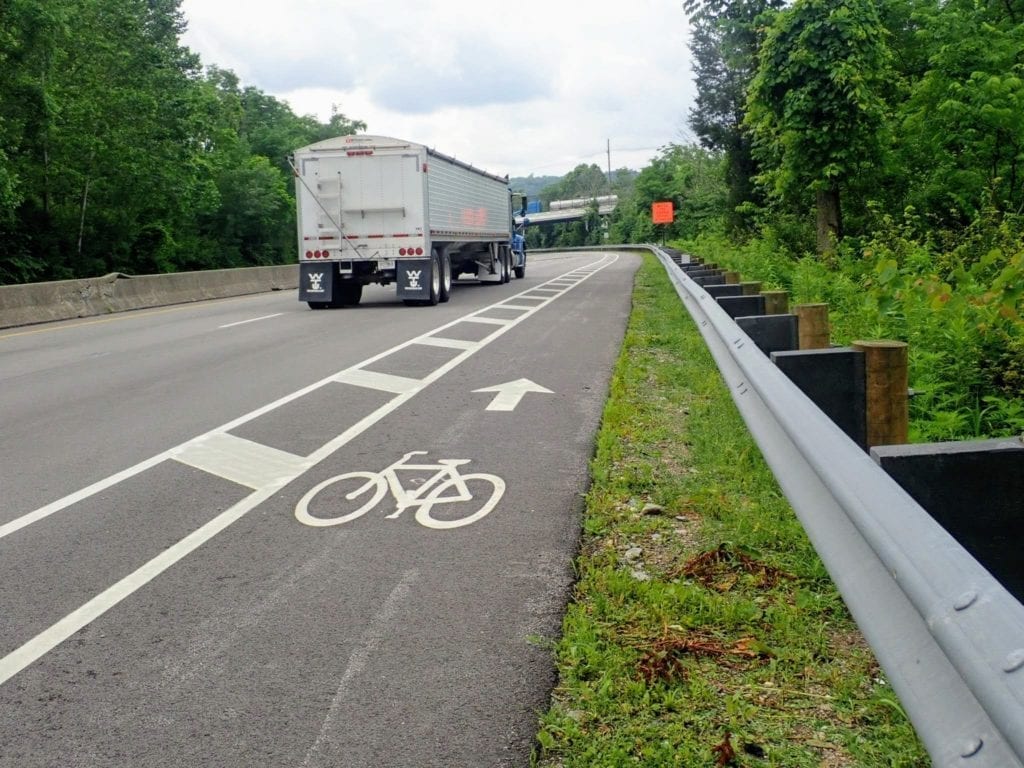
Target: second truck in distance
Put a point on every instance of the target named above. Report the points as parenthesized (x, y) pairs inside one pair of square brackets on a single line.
[(373, 209)]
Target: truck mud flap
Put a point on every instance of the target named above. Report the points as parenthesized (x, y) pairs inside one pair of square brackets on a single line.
[(413, 278), (316, 281)]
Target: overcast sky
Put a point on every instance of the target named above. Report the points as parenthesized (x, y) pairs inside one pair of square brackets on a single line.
[(535, 86)]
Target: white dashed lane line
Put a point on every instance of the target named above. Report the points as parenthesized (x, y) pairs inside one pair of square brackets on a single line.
[(251, 320)]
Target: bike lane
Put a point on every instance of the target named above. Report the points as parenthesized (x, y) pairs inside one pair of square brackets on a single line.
[(378, 641)]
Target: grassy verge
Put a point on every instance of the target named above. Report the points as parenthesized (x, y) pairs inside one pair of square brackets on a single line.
[(704, 629)]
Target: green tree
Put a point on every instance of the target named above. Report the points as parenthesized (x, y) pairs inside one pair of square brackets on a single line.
[(691, 178), (962, 127), (118, 153), (583, 181), (32, 36), (815, 105), (726, 38)]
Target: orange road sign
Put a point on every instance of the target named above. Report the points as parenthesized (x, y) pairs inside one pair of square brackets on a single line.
[(662, 213)]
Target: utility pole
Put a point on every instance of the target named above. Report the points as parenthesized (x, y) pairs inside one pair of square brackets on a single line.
[(609, 165)]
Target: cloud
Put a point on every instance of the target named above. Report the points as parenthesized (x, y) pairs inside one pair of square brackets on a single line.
[(536, 85), (476, 74)]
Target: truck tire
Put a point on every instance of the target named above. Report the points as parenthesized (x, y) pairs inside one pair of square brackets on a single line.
[(435, 280), (350, 293), (319, 304), (506, 265), (446, 279), (521, 271)]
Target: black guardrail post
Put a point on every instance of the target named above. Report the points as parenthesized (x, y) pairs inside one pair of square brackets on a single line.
[(717, 291), (834, 381), (973, 489), (771, 333), (742, 306)]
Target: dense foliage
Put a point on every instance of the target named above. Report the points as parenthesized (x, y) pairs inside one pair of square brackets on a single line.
[(119, 153), (885, 177)]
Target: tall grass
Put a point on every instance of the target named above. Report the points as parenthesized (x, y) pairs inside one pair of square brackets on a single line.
[(958, 309)]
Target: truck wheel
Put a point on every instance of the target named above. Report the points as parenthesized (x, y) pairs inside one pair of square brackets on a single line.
[(350, 293), (446, 279), (319, 304), (435, 280), (521, 271)]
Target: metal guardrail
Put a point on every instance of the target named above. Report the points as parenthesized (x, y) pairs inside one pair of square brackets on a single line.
[(949, 637)]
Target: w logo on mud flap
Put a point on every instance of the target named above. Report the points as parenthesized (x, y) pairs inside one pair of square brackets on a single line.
[(414, 279), (316, 282)]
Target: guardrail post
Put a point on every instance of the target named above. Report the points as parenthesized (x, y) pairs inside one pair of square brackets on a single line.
[(751, 288), (771, 333), (885, 371), (776, 302), (715, 291), (742, 306), (834, 380), (732, 277), (710, 277), (813, 324), (950, 480)]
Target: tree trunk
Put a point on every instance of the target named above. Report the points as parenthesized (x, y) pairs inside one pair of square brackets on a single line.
[(81, 221), (830, 223)]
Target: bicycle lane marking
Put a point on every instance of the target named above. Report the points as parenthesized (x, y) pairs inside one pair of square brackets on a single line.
[(423, 498), (246, 463)]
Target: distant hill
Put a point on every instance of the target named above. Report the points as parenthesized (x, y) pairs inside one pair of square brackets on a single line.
[(532, 185)]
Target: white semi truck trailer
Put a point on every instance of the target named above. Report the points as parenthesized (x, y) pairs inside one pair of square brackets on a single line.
[(373, 209)]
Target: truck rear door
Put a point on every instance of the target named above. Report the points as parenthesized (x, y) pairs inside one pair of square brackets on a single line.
[(372, 198)]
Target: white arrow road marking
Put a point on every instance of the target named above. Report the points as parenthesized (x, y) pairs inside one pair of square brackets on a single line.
[(510, 393)]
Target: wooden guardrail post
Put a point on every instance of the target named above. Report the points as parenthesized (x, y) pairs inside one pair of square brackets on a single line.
[(732, 278), (813, 325), (886, 379), (776, 302), (751, 288)]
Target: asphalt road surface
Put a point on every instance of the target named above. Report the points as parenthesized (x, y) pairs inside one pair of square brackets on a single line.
[(244, 533)]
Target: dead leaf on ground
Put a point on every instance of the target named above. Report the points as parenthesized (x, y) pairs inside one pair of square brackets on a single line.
[(663, 659), (717, 569), (724, 753)]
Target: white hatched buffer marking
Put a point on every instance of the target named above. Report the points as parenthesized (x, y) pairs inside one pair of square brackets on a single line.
[(264, 469)]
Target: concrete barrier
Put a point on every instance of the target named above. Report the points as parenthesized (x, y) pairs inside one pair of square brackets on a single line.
[(68, 299)]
